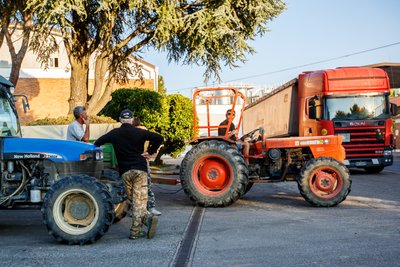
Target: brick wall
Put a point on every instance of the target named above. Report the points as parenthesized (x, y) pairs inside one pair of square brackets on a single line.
[(49, 97)]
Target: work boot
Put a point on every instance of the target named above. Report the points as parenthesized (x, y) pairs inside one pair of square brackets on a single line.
[(140, 235), (155, 212), (151, 224)]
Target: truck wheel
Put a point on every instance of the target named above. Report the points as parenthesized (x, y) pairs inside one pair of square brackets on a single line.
[(121, 209), (324, 182), (373, 170), (78, 210), (214, 173)]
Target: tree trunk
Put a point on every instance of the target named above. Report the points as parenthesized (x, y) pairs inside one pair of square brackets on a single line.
[(101, 67), (17, 58), (79, 82), (157, 160), (2, 33), (96, 107)]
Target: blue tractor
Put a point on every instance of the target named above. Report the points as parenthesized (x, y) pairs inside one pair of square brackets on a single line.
[(61, 177)]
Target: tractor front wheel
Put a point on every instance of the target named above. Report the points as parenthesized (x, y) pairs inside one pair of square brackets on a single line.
[(324, 182), (78, 210), (214, 173)]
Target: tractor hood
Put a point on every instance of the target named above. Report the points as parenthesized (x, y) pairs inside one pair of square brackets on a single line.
[(55, 150)]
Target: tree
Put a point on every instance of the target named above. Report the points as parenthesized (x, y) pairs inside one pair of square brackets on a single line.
[(15, 14), (161, 85), (208, 33), (149, 106), (169, 115), (179, 130)]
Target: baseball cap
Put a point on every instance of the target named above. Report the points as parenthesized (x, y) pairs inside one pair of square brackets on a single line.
[(126, 114)]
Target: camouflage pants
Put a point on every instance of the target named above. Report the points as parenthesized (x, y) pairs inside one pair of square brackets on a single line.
[(136, 189)]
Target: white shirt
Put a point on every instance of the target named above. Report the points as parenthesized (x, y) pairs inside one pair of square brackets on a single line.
[(75, 131)]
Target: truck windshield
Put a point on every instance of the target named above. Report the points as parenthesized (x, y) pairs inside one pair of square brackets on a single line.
[(357, 107), (8, 119)]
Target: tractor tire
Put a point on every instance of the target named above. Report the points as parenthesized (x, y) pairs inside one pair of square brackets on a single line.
[(78, 209), (248, 187), (373, 170), (121, 209), (324, 182), (214, 174)]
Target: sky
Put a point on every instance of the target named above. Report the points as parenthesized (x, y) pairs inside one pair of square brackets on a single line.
[(328, 33)]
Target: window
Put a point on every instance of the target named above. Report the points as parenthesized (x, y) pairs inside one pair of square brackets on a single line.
[(53, 62)]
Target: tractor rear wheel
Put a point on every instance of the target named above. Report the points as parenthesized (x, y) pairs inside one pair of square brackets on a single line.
[(78, 210), (324, 182), (248, 187), (214, 173)]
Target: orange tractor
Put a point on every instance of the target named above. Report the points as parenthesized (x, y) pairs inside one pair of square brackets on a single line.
[(216, 172)]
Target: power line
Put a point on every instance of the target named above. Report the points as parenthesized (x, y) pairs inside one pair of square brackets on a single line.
[(299, 66)]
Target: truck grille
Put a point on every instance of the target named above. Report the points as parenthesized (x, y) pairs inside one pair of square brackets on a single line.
[(364, 141)]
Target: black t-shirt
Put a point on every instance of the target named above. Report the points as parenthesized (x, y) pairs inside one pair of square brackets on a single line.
[(222, 131), (128, 142)]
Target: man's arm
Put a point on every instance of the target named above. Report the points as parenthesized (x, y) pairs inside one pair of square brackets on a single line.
[(103, 140), (155, 142), (86, 135)]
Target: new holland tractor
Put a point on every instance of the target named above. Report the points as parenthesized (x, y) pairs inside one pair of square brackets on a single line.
[(216, 172), (61, 177)]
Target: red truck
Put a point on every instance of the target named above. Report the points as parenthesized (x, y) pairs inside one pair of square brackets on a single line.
[(351, 102)]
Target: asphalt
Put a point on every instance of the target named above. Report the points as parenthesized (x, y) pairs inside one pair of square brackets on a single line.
[(272, 225)]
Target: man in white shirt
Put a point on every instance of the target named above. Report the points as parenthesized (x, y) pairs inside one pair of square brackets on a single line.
[(75, 130)]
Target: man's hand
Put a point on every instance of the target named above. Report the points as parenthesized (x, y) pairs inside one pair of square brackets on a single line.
[(86, 121), (146, 155), (231, 133)]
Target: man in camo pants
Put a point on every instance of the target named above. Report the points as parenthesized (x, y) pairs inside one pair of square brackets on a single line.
[(128, 142), (136, 189), (151, 202)]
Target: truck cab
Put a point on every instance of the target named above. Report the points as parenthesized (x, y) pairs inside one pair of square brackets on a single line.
[(352, 103)]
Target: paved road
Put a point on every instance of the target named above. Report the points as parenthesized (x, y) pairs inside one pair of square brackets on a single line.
[(271, 226)]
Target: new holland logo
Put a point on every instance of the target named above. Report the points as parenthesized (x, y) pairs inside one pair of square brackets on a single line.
[(36, 156)]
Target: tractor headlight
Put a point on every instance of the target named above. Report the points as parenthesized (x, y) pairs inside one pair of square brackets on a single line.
[(99, 155), (91, 154)]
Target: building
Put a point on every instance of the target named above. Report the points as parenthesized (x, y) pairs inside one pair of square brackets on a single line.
[(48, 90), (396, 101)]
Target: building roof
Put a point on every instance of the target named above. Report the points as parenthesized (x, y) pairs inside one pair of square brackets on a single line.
[(393, 71)]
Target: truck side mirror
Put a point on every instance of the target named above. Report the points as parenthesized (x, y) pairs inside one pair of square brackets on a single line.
[(312, 112), (312, 108), (25, 102), (315, 108), (393, 109)]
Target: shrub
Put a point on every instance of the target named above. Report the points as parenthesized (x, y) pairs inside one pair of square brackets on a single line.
[(64, 120)]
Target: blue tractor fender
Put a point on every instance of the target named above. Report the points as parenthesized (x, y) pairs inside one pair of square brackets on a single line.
[(50, 149)]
